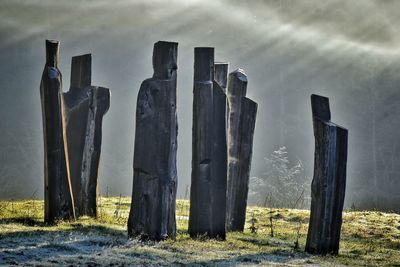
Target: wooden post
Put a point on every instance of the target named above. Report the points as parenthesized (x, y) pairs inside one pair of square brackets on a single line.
[(152, 214), (242, 118), (209, 158), (99, 104), (58, 197), (329, 181), (221, 77), (84, 108), (76, 119), (221, 74), (81, 72)]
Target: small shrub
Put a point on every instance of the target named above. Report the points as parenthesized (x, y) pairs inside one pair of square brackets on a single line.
[(253, 228), (283, 185)]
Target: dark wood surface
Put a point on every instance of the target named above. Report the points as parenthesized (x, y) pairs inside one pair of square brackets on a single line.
[(329, 181), (209, 158), (221, 74), (239, 172), (58, 195), (242, 116), (84, 108), (152, 214)]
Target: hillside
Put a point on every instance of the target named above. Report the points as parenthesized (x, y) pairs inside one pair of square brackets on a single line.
[(368, 238)]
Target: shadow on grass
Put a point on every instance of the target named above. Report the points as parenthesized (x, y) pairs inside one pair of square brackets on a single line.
[(27, 221), (253, 259), (260, 241), (257, 241), (177, 258), (47, 243), (43, 228), (98, 245)]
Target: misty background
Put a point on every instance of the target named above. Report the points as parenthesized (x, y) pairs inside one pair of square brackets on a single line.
[(348, 51)]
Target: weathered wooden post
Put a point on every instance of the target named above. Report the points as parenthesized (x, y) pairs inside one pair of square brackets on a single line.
[(221, 77), (84, 108), (242, 118), (221, 74), (152, 214), (58, 196), (209, 158), (329, 181)]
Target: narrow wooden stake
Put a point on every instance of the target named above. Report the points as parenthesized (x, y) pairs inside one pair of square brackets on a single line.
[(84, 108), (58, 197), (152, 214), (209, 158), (329, 182), (242, 118)]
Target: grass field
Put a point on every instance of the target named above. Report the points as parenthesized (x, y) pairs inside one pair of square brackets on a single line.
[(368, 239)]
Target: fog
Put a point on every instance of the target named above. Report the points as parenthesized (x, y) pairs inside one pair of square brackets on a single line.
[(348, 51)]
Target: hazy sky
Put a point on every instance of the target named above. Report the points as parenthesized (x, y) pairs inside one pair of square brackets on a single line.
[(289, 49)]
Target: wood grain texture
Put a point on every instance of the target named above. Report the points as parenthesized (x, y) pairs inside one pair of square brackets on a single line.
[(329, 181), (240, 166), (221, 78), (152, 214), (221, 74), (242, 117), (209, 158), (84, 108), (59, 203)]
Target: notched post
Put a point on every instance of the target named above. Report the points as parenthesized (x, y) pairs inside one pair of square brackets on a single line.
[(84, 108), (241, 125), (329, 181), (209, 154), (152, 213)]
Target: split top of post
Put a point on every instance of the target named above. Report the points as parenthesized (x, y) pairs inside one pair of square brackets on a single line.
[(320, 107), (81, 71), (203, 64), (165, 56)]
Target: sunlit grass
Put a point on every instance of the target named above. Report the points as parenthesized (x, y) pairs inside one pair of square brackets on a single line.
[(368, 238)]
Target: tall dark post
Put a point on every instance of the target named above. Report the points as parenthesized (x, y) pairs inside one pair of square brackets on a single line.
[(209, 158), (152, 214), (84, 108), (242, 118), (58, 196), (329, 181)]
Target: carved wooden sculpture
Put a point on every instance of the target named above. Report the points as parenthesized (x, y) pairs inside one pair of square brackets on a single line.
[(209, 159), (58, 197), (152, 214), (84, 108), (329, 181), (242, 118)]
